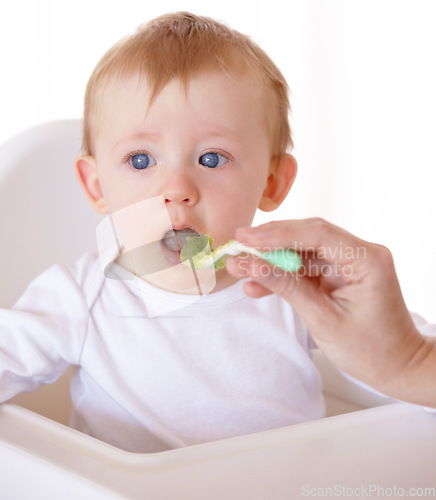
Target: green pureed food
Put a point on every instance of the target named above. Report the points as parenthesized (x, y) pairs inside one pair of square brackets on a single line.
[(197, 252)]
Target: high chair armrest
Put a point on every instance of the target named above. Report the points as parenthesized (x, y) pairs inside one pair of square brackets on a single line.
[(392, 445)]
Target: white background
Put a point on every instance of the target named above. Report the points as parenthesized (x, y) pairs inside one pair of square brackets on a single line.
[(363, 80)]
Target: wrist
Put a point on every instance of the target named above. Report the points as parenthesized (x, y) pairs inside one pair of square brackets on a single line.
[(418, 379)]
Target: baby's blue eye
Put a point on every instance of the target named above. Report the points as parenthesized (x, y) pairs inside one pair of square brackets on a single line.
[(142, 160), (213, 160)]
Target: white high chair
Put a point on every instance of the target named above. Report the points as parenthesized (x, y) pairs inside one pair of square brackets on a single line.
[(45, 219)]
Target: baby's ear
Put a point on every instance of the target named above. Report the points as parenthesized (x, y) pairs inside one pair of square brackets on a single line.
[(283, 171), (86, 173)]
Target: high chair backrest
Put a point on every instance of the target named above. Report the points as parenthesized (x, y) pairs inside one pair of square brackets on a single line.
[(44, 216)]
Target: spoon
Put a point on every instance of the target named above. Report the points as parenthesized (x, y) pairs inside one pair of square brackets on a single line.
[(197, 253)]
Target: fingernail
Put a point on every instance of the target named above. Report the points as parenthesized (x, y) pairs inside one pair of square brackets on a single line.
[(242, 231), (243, 234), (248, 234)]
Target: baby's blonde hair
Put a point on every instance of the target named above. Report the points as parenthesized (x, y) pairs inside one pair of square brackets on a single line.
[(180, 46)]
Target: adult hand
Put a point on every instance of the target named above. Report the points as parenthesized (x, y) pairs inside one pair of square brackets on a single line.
[(347, 293)]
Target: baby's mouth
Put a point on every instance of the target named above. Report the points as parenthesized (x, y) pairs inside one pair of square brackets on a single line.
[(174, 239), (173, 242)]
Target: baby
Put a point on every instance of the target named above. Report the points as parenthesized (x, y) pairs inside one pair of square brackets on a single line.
[(185, 133)]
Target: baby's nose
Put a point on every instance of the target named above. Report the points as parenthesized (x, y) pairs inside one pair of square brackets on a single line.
[(180, 189)]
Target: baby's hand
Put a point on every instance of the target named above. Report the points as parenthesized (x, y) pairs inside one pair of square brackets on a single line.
[(347, 293)]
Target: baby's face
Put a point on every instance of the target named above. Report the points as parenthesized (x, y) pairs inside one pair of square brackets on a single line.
[(206, 150)]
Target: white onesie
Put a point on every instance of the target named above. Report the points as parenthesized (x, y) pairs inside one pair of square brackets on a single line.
[(222, 366)]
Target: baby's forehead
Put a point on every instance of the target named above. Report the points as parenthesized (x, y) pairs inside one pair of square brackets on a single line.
[(138, 80), (214, 96), (126, 89)]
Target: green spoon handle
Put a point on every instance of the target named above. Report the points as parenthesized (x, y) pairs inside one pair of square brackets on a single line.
[(288, 260)]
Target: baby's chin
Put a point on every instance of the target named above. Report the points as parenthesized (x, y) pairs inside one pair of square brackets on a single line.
[(181, 279)]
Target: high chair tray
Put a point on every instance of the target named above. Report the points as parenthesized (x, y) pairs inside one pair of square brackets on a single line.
[(385, 447)]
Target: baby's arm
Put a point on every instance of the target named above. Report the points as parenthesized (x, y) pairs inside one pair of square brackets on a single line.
[(42, 334)]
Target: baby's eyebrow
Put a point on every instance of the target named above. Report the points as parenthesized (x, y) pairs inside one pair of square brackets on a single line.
[(223, 134), (210, 134), (138, 136)]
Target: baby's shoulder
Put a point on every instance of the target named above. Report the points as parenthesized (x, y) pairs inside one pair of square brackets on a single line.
[(84, 268), (87, 274), (66, 287)]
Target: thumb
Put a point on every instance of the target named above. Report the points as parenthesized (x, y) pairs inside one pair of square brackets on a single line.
[(295, 288)]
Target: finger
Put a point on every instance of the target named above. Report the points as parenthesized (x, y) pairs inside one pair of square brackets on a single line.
[(256, 290), (239, 268), (318, 236), (330, 275), (302, 293)]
